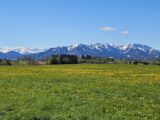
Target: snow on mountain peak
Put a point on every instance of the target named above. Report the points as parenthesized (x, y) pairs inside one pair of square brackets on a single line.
[(132, 51), (21, 50)]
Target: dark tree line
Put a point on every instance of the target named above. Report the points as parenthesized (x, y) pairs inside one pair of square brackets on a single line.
[(5, 62), (86, 59), (95, 60), (63, 59)]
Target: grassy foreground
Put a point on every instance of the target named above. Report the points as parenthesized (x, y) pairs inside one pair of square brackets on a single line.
[(80, 92)]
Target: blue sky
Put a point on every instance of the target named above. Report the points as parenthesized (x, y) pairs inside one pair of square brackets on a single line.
[(49, 23)]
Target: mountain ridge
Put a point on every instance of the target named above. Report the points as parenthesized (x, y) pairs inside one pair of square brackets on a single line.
[(130, 51), (22, 50)]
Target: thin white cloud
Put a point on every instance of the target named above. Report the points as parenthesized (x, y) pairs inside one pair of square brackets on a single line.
[(107, 28), (126, 32)]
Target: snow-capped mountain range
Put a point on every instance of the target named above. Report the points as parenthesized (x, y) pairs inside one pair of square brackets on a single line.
[(130, 51), (21, 50)]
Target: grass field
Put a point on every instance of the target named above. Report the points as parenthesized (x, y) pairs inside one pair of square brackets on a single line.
[(80, 92)]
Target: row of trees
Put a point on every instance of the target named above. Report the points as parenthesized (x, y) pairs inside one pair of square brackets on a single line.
[(5, 62), (63, 59), (95, 60), (136, 62), (73, 59)]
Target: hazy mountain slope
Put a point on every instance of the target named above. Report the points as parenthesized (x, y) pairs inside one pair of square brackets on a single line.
[(12, 55)]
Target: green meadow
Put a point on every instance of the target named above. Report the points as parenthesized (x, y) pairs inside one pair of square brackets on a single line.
[(80, 92)]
